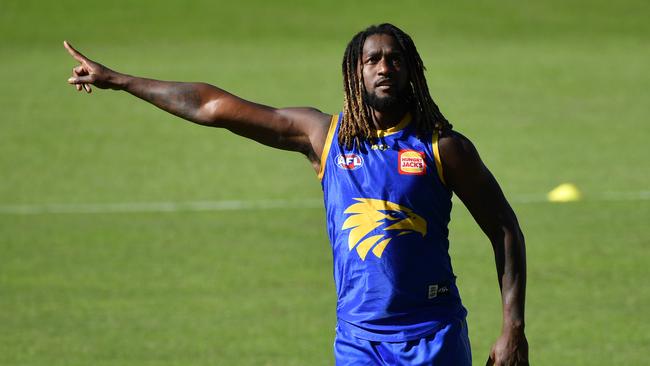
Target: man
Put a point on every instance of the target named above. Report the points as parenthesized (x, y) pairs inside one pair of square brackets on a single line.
[(388, 166)]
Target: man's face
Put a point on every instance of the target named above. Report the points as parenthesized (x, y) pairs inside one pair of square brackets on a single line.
[(384, 72)]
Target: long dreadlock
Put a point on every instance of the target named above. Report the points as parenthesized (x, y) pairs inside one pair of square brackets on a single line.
[(357, 121)]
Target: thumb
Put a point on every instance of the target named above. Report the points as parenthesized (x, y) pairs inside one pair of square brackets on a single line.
[(491, 358), (86, 79), (490, 361)]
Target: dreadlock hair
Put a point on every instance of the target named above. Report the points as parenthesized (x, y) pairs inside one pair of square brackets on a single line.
[(357, 118)]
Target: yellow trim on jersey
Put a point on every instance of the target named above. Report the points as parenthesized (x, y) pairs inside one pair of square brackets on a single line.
[(398, 127), (436, 154), (326, 148)]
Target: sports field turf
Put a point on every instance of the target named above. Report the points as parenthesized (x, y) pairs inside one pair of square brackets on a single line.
[(106, 257)]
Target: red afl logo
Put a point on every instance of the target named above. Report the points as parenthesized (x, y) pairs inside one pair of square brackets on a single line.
[(349, 161)]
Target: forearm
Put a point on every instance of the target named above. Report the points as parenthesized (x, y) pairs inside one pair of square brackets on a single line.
[(510, 253), (190, 101)]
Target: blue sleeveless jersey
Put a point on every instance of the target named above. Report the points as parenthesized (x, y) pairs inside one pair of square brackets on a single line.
[(387, 212)]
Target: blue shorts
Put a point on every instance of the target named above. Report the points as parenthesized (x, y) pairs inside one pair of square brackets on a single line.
[(448, 346)]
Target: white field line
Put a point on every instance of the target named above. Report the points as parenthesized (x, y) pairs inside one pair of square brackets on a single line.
[(242, 205), (127, 207), (593, 197)]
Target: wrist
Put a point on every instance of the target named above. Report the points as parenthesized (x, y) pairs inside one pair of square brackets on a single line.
[(514, 326), (119, 81)]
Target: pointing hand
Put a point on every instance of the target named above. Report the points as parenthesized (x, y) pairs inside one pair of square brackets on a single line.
[(89, 72)]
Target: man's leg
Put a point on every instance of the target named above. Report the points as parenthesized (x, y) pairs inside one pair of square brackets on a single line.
[(352, 351), (449, 346)]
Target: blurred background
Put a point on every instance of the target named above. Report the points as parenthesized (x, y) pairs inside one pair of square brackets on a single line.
[(131, 237)]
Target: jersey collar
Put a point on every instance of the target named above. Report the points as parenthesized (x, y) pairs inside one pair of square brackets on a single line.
[(398, 127)]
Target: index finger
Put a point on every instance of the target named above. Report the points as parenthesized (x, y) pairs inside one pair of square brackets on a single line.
[(74, 53)]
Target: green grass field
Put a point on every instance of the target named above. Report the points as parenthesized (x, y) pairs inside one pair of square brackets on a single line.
[(550, 92)]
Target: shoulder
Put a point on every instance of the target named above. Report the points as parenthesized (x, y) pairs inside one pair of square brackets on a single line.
[(306, 114), (456, 148), (311, 121), (313, 125), (459, 158)]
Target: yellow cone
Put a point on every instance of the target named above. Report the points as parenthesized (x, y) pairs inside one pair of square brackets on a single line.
[(566, 192)]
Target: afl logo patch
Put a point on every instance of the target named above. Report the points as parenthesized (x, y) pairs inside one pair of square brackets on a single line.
[(349, 161), (411, 162)]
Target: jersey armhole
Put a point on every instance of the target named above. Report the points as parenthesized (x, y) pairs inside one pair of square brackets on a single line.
[(326, 148), (436, 155)]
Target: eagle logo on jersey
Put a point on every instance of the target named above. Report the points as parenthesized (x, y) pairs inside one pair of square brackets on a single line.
[(368, 214)]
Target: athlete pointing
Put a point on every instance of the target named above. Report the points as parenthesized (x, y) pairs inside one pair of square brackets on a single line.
[(388, 165)]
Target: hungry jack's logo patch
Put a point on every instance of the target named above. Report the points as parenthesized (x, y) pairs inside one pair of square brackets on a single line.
[(411, 162)]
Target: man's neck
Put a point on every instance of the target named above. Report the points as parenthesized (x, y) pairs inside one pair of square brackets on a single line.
[(386, 119)]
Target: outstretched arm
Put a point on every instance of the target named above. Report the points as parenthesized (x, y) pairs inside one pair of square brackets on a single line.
[(296, 129), (471, 180)]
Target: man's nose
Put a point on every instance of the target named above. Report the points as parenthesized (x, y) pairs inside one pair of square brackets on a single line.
[(384, 66)]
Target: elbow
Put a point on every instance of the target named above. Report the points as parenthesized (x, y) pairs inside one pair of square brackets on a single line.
[(507, 231), (212, 105), (210, 113), (512, 231), (514, 243), (512, 227), (509, 224)]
